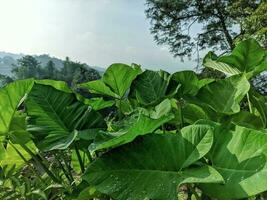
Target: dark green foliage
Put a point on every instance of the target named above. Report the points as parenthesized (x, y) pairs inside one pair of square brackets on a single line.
[(74, 72), (223, 23), (71, 72), (4, 79), (27, 67)]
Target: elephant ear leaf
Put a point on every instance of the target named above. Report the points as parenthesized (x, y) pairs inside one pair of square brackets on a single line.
[(150, 87), (119, 77), (239, 155), (11, 96), (142, 125), (115, 82), (260, 103), (99, 87), (211, 61), (247, 57), (225, 95), (56, 116), (147, 173), (190, 84)]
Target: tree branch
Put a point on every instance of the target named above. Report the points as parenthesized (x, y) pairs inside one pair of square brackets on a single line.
[(227, 35)]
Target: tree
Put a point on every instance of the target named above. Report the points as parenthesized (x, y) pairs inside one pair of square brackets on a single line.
[(223, 22), (71, 72), (256, 25), (260, 83), (27, 67), (76, 72), (4, 79), (51, 69)]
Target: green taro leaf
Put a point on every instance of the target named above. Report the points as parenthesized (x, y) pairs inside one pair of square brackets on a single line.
[(248, 57), (260, 103), (59, 85), (239, 155), (190, 84), (152, 167), (247, 119), (119, 77), (12, 157), (18, 133), (150, 87), (2, 149), (98, 103), (56, 115), (156, 112), (115, 82), (192, 113), (88, 193), (140, 126), (99, 87), (210, 61), (11, 96), (225, 95), (124, 106), (161, 109)]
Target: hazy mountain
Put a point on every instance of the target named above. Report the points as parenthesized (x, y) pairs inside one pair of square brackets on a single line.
[(7, 60)]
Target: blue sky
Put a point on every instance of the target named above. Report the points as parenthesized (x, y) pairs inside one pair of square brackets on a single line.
[(98, 32)]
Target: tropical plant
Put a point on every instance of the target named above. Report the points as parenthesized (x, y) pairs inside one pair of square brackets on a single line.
[(147, 134)]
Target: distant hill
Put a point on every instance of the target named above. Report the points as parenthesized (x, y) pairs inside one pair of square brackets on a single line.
[(7, 60)]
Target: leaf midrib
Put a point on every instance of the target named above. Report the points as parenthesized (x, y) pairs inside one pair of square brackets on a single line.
[(238, 170), (53, 110)]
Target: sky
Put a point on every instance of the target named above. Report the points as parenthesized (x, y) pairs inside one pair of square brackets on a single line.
[(97, 32)]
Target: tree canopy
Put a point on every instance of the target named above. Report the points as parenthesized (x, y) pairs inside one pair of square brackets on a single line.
[(222, 23), (71, 72)]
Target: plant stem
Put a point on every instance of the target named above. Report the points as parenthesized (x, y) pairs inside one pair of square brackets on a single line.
[(120, 112), (38, 160), (79, 158), (181, 113), (89, 156), (63, 168), (249, 104), (26, 161), (192, 189), (68, 167)]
